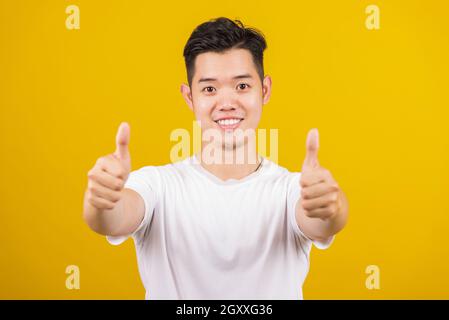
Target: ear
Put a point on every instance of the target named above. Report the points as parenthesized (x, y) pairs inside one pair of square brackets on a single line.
[(266, 89), (187, 95)]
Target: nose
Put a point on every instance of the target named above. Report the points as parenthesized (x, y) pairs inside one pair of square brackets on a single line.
[(226, 107), (227, 101)]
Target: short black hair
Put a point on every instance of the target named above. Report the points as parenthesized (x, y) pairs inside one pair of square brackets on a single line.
[(220, 35)]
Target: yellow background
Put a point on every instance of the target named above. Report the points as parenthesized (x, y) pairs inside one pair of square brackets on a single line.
[(379, 98)]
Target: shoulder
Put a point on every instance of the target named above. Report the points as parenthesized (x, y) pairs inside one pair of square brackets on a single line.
[(161, 171), (277, 171)]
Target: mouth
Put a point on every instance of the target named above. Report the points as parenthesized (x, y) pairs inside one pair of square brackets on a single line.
[(229, 124)]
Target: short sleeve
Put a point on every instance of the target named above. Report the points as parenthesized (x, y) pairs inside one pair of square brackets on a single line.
[(293, 195), (145, 182)]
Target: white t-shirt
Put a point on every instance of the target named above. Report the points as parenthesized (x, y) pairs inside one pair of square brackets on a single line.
[(205, 238)]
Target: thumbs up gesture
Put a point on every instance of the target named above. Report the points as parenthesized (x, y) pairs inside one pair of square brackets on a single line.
[(109, 174), (320, 194)]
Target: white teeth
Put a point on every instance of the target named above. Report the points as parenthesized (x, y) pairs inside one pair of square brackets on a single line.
[(228, 122)]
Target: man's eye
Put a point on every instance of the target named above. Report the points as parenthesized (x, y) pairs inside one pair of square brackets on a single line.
[(243, 86), (209, 89)]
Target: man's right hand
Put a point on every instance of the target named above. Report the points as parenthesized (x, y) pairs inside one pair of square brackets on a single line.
[(107, 178)]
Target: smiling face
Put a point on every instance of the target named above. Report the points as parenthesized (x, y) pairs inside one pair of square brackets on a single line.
[(226, 92)]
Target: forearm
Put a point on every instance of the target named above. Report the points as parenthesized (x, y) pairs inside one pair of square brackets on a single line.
[(321, 229)]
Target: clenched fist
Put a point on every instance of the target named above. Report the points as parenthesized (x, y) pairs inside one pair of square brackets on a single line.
[(320, 196), (109, 174)]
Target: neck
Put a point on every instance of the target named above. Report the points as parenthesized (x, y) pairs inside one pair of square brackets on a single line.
[(235, 170)]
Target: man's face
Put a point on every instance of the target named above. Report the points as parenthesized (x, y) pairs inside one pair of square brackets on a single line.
[(226, 92)]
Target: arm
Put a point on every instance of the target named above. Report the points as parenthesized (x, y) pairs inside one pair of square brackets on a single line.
[(322, 209), (122, 219), (109, 208)]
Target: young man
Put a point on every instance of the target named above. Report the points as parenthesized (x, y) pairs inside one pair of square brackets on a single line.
[(219, 229)]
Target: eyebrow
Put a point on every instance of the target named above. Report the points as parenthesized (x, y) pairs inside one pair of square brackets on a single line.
[(242, 76)]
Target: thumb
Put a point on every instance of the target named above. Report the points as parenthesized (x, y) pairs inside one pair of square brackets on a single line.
[(312, 145), (122, 141)]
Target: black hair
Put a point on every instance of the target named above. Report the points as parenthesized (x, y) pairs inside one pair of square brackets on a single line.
[(220, 35)]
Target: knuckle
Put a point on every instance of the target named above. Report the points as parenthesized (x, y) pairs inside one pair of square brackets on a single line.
[(306, 205), (326, 215), (100, 205), (303, 183), (332, 209), (90, 200), (104, 205), (118, 186), (95, 203), (114, 196), (332, 198), (100, 161), (121, 172), (91, 174), (94, 189)]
